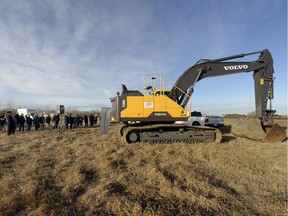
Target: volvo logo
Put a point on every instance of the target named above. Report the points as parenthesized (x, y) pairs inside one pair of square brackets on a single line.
[(160, 114), (236, 67)]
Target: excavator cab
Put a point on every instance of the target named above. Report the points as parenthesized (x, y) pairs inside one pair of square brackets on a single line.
[(160, 93)]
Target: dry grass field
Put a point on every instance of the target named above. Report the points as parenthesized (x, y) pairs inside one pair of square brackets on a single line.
[(85, 173)]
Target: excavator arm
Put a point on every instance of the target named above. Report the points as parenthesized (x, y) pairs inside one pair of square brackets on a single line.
[(263, 79)]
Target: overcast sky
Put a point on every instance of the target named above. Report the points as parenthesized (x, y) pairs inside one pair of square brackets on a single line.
[(78, 53)]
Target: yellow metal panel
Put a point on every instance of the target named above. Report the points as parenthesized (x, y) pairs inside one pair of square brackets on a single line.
[(175, 110), (165, 104), (161, 103), (143, 106), (134, 107)]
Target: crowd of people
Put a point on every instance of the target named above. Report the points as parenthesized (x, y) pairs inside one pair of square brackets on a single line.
[(10, 123)]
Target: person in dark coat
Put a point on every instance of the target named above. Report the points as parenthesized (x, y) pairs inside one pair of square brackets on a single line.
[(91, 119), (29, 122), (86, 120), (48, 121), (71, 120), (56, 121), (2, 121), (21, 120), (96, 119), (16, 117), (66, 121), (11, 124), (79, 120), (42, 122), (36, 121)]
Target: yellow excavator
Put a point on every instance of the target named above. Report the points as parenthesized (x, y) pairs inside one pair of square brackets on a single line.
[(150, 116)]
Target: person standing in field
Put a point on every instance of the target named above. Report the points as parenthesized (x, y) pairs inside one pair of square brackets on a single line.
[(36, 121), (66, 121), (16, 118), (56, 121), (96, 118), (11, 123), (21, 120), (29, 122), (2, 122), (79, 120), (48, 122), (42, 122), (71, 120), (86, 120), (91, 119)]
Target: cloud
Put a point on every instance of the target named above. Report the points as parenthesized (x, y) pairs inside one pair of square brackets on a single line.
[(65, 50), (79, 52)]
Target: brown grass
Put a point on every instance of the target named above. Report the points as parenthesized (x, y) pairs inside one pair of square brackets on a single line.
[(85, 173)]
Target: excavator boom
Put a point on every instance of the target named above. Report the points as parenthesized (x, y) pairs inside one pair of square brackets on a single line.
[(263, 79)]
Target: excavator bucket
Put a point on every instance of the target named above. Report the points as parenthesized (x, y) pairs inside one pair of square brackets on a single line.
[(253, 129), (248, 128), (276, 134)]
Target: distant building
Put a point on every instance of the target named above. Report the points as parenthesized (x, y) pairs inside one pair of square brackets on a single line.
[(26, 111)]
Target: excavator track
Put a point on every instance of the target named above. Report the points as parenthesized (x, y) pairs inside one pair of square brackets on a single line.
[(170, 133)]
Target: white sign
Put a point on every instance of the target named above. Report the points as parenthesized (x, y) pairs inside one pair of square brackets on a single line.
[(148, 105)]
